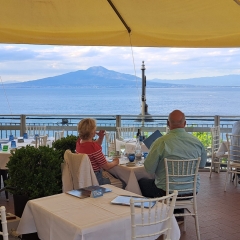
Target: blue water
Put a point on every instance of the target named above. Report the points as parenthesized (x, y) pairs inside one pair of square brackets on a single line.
[(161, 101)]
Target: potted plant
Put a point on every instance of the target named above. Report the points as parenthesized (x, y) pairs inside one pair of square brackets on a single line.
[(33, 173), (65, 143)]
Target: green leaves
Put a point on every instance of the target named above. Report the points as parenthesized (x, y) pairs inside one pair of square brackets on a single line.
[(204, 137), (63, 144), (35, 172)]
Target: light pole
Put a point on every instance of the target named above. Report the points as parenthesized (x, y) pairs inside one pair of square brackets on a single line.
[(143, 92)]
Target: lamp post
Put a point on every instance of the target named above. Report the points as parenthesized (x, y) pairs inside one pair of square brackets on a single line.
[(143, 92)]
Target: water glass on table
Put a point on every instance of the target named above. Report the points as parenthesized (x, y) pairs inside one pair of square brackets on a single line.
[(131, 157), (25, 136), (13, 144), (122, 148), (11, 137)]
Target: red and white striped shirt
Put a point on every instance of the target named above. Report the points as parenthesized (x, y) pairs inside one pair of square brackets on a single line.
[(94, 152)]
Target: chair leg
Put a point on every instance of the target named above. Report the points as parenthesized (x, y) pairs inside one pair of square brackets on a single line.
[(219, 166), (236, 179), (211, 167), (4, 174), (211, 170), (197, 226), (225, 188), (184, 223)]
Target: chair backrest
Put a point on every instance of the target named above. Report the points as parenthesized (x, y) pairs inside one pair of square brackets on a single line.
[(59, 135), (33, 129), (181, 175), (77, 171), (215, 133), (4, 232), (41, 141), (233, 142), (155, 221), (125, 132), (110, 142)]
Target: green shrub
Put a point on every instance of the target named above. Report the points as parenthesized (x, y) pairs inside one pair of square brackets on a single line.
[(65, 143), (204, 137), (35, 172)]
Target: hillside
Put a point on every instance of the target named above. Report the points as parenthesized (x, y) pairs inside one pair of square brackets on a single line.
[(92, 77), (228, 80), (100, 77)]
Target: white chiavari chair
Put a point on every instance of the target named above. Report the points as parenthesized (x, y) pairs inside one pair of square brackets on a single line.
[(182, 175), (154, 222)]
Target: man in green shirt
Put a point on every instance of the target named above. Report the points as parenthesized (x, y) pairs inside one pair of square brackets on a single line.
[(177, 144)]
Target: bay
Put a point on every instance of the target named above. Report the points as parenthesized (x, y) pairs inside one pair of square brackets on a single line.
[(193, 101)]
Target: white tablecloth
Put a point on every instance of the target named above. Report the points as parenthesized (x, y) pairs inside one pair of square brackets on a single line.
[(130, 175), (4, 156), (64, 217), (222, 151), (130, 146)]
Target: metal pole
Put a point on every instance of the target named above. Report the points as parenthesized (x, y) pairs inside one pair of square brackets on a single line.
[(143, 92)]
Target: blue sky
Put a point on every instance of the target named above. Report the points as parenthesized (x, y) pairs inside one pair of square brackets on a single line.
[(31, 62)]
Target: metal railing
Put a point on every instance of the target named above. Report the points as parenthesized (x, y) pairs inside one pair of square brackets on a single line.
[(16, 124)]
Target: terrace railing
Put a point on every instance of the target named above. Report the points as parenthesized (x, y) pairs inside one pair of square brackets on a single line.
[(16, 124)]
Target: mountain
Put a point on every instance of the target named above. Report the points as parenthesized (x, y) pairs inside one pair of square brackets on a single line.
[(99, 77), (228, 80), (92, 77)]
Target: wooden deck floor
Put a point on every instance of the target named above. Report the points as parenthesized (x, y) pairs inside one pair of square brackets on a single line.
[(219, 211)]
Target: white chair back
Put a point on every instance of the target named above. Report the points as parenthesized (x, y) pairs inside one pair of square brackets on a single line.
[(215, 133), (125, 132), (4, 232), (77, 171), (33, 129), (181, 175), (110, 142), (233, 163), (41, 141), (59, 135), (216, 139), (154, 221)]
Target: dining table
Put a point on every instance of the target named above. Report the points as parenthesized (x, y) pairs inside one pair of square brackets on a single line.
[(4, 155), (222, 150), (130, 174), (64, 216)]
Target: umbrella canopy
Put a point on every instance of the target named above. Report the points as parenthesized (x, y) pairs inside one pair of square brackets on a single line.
[(153, 23)]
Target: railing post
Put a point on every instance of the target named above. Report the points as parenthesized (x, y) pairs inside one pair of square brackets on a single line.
[(216, 120), (22, 124), (118, 123)]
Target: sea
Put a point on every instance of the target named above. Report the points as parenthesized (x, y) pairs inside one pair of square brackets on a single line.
[(193, 101)]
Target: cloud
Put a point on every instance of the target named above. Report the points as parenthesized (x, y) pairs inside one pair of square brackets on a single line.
[(28, 62), (10, 53)]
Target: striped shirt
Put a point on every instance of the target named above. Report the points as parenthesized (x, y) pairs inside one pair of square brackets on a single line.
[(94, 152)]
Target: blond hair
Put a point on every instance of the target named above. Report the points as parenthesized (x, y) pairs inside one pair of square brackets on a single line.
[(86, 127)]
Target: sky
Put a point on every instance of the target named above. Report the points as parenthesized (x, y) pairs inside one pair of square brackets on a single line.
[(20, 62)]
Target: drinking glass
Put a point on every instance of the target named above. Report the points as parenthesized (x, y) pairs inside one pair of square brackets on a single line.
[(25, 136), (122, 148), (131, 157), (13, 144), (145, 154), (11, 137)]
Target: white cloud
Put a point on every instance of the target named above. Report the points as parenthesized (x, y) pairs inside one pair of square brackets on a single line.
[(29, 62)]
